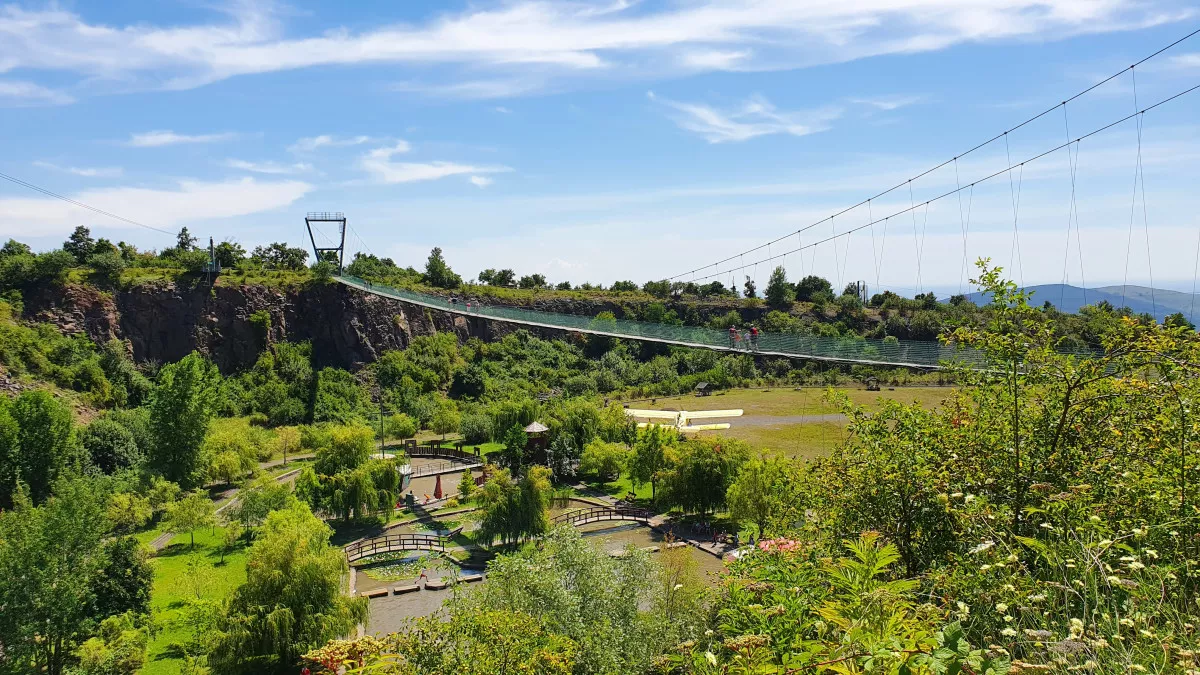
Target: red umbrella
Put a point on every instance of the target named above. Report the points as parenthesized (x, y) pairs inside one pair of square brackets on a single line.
[(437, 489)]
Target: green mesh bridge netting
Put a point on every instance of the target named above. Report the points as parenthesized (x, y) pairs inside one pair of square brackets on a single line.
[(841, 349)]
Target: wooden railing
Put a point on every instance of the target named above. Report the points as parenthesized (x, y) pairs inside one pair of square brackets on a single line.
[(599, 513), (394, 542), (442, 467), (443, 453)]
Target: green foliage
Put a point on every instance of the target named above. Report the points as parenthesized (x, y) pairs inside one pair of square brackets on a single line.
[(812, 287), (653, 452), (698, 481), (340, 398), (180, 410), (258, 499), (51, 558), (279, 256), (603, 460), (118, 649), (123, 584), (759, 493), (128, 512), (110, 446), (780, 294), (475, 428), (514, 510), (400, 426), (446, 420), (292, 600), (438, 273), (469, 642), (344, 481), (42, 447), (193, 512)]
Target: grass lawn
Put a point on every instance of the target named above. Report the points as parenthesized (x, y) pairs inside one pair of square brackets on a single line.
[(174, 582), (621, 487), (792, 440), (807, 401)]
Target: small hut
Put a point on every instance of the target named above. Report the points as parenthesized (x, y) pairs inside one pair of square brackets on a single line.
[(538, 443), (703, 389)]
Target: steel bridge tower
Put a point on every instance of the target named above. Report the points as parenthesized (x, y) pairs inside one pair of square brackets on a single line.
[(319, 252)]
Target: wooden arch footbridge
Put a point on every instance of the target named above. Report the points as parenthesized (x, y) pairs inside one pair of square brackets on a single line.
[(392, 543)]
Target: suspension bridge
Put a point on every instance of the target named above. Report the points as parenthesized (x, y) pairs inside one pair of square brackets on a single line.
[(943, 183)]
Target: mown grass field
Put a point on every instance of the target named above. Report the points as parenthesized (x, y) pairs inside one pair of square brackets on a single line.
[(787, 436), (175, 582)]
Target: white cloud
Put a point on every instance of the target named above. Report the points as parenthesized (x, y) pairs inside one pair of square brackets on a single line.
[(502, 109), (559, 41), (273, 168), (87, 172), (480, 181), (312, 143), (190, 201), (378, 163), (1186, 61), (155, 139), (888, 103), (16, 92), (714, 59), (753, 118)]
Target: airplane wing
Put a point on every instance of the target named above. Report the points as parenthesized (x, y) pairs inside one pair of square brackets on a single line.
[(668, 425), (709, 414), (704, 427), (655, 414)]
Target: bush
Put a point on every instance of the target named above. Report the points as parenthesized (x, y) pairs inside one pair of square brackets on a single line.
[(476, 428), (400, 426)]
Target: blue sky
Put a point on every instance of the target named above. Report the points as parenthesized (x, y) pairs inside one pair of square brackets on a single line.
[(592, 141)]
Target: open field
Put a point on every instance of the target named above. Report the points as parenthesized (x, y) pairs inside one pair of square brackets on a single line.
[(183, 574), (790, 422)]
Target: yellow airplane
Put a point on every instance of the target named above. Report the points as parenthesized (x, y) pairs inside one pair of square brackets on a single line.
[(679, 418)]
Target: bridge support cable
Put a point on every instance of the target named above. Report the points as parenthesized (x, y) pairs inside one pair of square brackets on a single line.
[(984, 144), (1015, 193), (1010, 168), (965, 222), (1072, 212)]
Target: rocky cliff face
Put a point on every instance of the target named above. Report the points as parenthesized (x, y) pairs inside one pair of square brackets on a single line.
[(164, 322)]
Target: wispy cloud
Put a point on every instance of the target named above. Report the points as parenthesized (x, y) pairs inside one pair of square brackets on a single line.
[(156, 139), (714, 59), (558, 41), (87, 172), (480, 181), (753, 118), (187, 201), (17, 92), (1186, 61), (274, 168), (888, 103), (379, 164), (312, 143), (501, 109)]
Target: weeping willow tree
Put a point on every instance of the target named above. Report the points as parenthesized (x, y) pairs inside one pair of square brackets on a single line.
[(292, 600), (515, 510), (345, 482)]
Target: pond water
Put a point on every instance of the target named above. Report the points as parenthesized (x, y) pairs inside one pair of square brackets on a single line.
[(389, 613)]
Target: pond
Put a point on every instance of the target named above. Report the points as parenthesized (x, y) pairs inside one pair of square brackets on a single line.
[(389, 613)]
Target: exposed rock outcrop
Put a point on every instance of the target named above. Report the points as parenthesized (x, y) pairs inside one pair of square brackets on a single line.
[(165, 321)]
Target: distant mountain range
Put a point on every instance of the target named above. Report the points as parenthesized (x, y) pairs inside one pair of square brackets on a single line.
[(1157, 302)]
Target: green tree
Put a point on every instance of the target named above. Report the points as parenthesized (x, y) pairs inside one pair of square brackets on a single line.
[(515, 510), (698, 482), (184, 241), (292, 600), (191, 513), (118, 649), (780, 294), (446, 420), (438, 273), (80, 245), (466, 485), (229, 254), (44, 447), (532, 281), (180, 410), (652, 453), (123, 583), (340, 398), (811, 287), (128, 512), (230, 536), (50, 559), (755, 494), (258, 499), (603, 460), (110, 446)]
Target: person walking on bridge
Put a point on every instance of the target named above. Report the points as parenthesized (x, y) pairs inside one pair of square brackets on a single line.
[(733, 337), (754, 338)]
